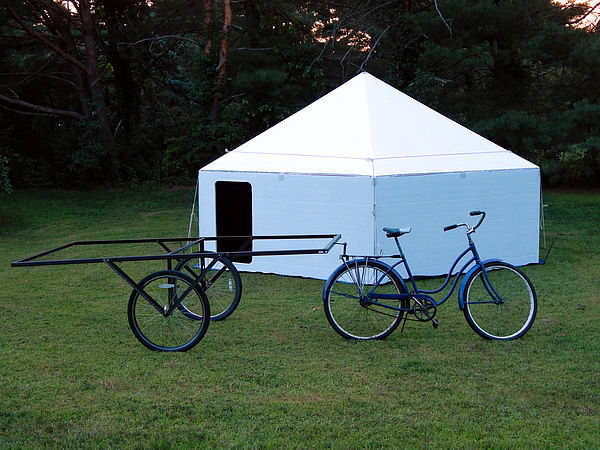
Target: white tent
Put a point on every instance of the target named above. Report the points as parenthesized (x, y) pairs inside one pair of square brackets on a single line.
[(363, 157)]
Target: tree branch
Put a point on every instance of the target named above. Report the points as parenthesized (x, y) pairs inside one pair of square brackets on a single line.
[(158, 38), (30, 75), (360, 69), (40, 37), (585, 15), (447, 22), (38, 109)]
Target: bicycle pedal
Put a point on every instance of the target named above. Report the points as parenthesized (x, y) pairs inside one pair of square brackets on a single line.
[(435, 323)]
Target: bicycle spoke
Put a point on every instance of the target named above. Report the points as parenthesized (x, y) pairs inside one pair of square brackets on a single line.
[(348, 308), (500, 302), (221, 282), (187, 320)]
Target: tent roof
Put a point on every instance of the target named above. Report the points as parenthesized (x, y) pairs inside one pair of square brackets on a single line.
[(367, 127)]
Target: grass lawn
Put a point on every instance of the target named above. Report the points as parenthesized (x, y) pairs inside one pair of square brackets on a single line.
[(275, 374)]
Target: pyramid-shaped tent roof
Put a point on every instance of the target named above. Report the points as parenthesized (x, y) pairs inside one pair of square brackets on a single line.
[(366, 127)]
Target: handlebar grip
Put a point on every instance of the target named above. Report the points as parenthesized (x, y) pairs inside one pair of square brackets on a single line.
[(476, 213), (451, 227)]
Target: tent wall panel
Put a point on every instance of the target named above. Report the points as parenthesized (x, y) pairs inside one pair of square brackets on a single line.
[(428, 203), (298, 204)]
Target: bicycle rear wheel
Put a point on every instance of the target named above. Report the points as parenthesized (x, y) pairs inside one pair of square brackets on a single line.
[(503, 308), (222, 283), (348, 308), (178, 331)]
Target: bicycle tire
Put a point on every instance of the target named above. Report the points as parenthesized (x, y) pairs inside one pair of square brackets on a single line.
[(345, 305), (505, 320), (177, 332), (222, 285)]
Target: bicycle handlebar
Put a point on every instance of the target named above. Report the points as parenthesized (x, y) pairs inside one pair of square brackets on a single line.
[(478, 213), (451, 227), (470, 230)]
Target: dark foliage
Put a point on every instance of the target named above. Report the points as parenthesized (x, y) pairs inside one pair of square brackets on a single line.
[(102, 92)]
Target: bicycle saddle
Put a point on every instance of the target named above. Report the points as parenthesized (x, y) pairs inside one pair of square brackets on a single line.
[(396, 232)]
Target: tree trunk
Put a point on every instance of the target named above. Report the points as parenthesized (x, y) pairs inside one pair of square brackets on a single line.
[(96, 86), (128, 90), (223, 56), (208, 22)]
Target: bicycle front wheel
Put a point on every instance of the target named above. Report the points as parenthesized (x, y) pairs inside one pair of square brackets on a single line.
[(151, 322), (222, 283), (355, 304), (500, 303)]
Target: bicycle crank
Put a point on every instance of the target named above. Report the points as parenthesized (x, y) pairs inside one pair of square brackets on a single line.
[(424, 310)]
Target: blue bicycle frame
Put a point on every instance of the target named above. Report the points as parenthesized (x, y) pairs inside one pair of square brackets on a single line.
[(421, 295)]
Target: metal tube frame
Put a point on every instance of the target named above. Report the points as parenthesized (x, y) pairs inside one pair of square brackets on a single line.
[(176, 254), (36, 260)]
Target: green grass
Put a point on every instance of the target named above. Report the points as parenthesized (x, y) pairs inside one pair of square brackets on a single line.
[(275, 374)]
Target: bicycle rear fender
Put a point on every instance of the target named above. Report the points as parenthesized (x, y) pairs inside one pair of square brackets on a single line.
[(463, 284)]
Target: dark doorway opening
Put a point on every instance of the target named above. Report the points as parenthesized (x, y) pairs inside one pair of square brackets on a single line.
[(234, 217)]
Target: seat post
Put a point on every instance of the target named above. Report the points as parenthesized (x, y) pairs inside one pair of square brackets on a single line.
[(399, 248)]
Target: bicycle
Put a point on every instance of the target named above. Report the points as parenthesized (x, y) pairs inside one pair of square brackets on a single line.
[(366, 298)]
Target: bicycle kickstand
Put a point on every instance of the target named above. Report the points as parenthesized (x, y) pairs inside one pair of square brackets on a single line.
[(404, 322)]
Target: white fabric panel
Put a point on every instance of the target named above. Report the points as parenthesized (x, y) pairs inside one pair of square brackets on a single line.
[(367, 127), (401, 125), (412, 165), (292, 164), (500, 160), (510, 231), (298, 204), (336, 125)]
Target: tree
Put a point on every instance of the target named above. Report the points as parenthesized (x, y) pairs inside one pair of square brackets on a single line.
[(70, 35), (62, 36), (267, 78), (120, 90), (5, 186)]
